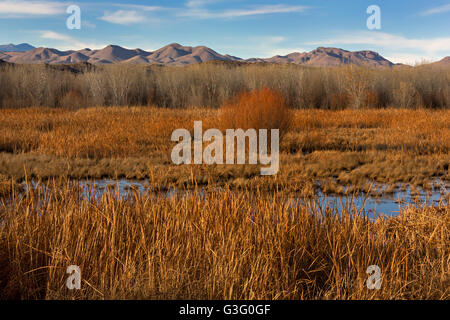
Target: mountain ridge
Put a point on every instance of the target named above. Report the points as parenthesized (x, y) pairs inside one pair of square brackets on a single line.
[(21, 47), (176, 54)]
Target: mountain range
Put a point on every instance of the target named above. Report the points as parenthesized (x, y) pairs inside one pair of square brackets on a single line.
[(13, 47), (178, 55)]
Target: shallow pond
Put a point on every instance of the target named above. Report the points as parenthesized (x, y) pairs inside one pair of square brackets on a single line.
[(386, 204)]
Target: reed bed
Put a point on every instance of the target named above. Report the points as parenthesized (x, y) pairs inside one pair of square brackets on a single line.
[(341, 148), (235, 234), (214, 244), (135, 131)]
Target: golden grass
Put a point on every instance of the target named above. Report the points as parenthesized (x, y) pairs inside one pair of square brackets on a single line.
[(122, 132), (218, 245), (7, 187), (340, 148), (232, 239), (417, 131)]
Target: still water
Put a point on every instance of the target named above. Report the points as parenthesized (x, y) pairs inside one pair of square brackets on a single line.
[(386, 204)]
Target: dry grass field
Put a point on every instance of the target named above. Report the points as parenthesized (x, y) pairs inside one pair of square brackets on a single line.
[(231, 233), (220, 245), (338, 148)]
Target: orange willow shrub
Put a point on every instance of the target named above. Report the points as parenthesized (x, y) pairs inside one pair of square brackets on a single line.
[(257, 109)]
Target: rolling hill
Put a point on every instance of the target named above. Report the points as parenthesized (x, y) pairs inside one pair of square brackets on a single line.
[(177, 55)]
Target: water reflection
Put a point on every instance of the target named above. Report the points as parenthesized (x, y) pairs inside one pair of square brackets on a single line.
[(372, 206)]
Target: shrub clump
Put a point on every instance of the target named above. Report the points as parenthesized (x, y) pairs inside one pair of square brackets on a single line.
[(257, 109)]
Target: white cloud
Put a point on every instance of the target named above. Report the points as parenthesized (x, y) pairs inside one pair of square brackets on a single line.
[(437, 10), (196, 3), (19, 8), (260, 47), (140, 7), (411, 59), (269, 46), (283, 51), (124, 17), (197, 12), (200, 3), (195, 9), (55, 36), (66, 42)]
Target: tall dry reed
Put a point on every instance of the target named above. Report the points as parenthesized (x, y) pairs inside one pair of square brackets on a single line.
[(214, 244)]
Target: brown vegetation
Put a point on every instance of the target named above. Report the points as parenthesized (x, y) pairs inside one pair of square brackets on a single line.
[(347, 148), (215, 245), (231, 239), (258, 109), (97, 133), (212, 84)]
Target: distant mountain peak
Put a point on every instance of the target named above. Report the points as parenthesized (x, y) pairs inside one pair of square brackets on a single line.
[(174, 45), (176, 54), (328, 56), (22, 47)]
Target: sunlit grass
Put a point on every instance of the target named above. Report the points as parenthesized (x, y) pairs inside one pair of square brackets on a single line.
[(215, 245), (346, 147)]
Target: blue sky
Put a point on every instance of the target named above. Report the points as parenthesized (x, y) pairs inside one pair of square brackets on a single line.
[(411, 30)]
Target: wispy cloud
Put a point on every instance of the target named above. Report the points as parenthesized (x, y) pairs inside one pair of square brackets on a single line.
[(47, 34), (409, 58), (196, 3), (270, 46), (66, 42), (140, 7), (124, 17), (17, 8), (197, 11), (201, 3), (437, 10), (284, 51)]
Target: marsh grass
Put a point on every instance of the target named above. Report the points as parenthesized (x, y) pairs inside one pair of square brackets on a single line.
[(235, 235), (338, 148), (97, 133), (215, 245)]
